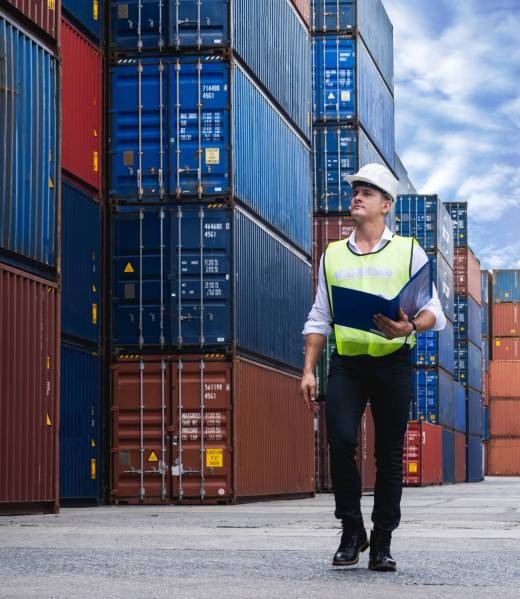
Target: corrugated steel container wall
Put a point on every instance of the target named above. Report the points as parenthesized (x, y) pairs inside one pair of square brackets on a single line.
[(460, 457), (485, 435), (475, 459), (406, 187), (435, 349), (322, 368), (506, 320), (79, 423), (503, 456), (422, 455), (45, 15), (485, 283), (506, 286), (81, 107), (266, 271), (485, 358), (325, 230), (504, 417), (485, 330), (87, 13), (448, 456), (468, 319), (433, 399), (467, 273), (304, 8), (442, 276), (274, 449), (504, 378), (29, 101), (459, 214), (80, 265), (29, 372), (506, 348), (459, 394), (475, 412), (468, 364)]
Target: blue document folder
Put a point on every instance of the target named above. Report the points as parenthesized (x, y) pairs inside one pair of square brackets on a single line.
[(356, 309)]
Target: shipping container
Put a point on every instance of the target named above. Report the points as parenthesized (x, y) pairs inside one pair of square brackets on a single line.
[(485, 358), (485, 436), (225, 283), (269, 37), (327, 229), (338, 151), (485, 285), (460, 457), (422, 454), (81, 107), (81, 265), (506, 320), (504, 378), (506, 348), (43, 18), (29, 105), (347, 87), (485, 328), (503, 456), (189, 428), (80, 437), (369, 19), (466, 267), (448, 456), (442, 277), (504, 417), (87, 14), (406, 187), (468, 364), (304, 9), (459, 395), (425, 218), (485, 389), (475, 459), (475, 412), (435, 349), (29, 375), (162, 150), (506, 286), (459, 215), (468, 319), (433, 397)]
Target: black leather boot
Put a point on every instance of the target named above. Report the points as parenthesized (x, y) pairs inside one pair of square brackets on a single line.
[(380, 558), (354, 540)]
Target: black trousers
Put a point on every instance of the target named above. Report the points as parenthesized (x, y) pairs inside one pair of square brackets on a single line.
[(387, 381)]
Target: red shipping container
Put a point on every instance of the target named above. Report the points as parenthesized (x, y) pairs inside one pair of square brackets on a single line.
[(466, 269), (506, 320), (460, 457), (29, 393), (503, 456), (81, 108), (506, 348), (504, 378), (422, 455), (304, 8), (198, 428), (43, 16), (325, 230), (504, 417)]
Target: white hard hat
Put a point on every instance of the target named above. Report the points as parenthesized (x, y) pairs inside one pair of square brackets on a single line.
[(376, 175)]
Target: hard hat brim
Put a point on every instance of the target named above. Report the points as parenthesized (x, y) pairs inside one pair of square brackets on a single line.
[(357, 179)]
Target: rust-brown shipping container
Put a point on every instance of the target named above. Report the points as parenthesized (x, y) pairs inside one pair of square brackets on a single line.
[(327, 229), (506, 320), (460, 457), (504, 378), (188, 428), (40, 17), (29, 393), (422, 454), (506, 348), (504, 417), (304, 8), (503, 456), (466, 269)]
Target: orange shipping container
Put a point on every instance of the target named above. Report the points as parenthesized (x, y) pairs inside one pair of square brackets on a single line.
[(506, 320), (506, 348), (504, 417), (304, 8), (503, 456), (466, 268), (504, 378)]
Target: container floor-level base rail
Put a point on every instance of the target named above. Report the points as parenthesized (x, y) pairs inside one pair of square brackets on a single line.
[(29, 507)]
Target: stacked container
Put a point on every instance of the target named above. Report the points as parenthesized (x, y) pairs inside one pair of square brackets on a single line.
[(211, 232), (436, 399), (29, 256), (469, 363)]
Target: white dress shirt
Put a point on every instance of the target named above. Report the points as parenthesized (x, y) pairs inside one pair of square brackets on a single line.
[(320, 318)]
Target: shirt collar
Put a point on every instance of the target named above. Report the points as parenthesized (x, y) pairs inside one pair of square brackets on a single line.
[(387, 235)]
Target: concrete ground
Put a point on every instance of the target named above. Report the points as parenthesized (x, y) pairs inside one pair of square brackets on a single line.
[(454, 541)]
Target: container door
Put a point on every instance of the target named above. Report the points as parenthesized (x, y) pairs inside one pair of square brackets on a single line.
[(197, 24), (138, 24), (333, 15)]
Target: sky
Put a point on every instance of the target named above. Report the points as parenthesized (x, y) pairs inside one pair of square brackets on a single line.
[(457, 94)]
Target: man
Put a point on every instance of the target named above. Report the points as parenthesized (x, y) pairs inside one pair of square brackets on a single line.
[(367, 365)]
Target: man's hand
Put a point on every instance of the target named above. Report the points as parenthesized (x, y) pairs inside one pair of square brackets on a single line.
[(394, 328), (308, 391)]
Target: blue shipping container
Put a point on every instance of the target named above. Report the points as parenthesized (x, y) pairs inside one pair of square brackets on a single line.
[(406, 187), (348, 87), (485, 418), (485, 355), (435, 349), (426, 219), (506, 286), (475, 414), (369, 18), (468, 364), (29, 105), (79, 423), (179, 149), (80, 264), (468, 319), (485, 282), (433, 398), (88, 14), (443, 278), (268, 36), (485, 320), (448, 456), (459, 215), (475, 459), (459, 393), (225, 281)]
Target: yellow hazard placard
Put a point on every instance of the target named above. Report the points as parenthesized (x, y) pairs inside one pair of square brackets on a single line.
[(153, 457), (95, 161), (95, 10), (52, 4), (498, 343), (94, 313), (93, 468), (212, 156), (412, 467), (129, 267), (214, 458)]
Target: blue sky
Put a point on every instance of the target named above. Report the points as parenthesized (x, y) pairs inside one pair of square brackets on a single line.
[(457, 92)]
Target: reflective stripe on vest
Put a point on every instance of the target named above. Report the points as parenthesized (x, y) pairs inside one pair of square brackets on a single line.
[(383, 273)]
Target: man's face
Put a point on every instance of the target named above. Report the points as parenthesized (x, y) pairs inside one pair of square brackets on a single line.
[(368, 204)]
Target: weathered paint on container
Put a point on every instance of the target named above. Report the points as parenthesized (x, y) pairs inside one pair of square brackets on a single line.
[(80, 439), (82, 107), (88, 14), (459, 214), (406, 187), (468, 364), (29, 182), (459, 394), (44, 16), (468, 319), (448, 456), (504, 417), (474, 412), (485, 285), (506, 286), (81, 258), (29, 372), (506, 320), (466, 267), (433, 399), (347, 87), (475, 459), (503, 456), (460, 457), (422, 455), (434, 349), (504, 378)]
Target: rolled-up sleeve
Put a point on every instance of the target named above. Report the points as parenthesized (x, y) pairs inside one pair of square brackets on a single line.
[(319, 319), (434, 306)]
